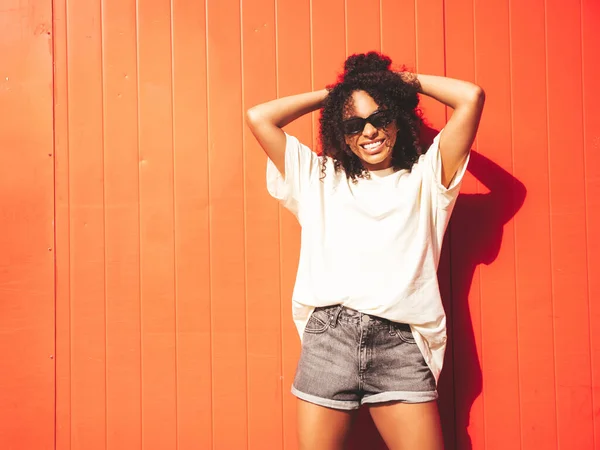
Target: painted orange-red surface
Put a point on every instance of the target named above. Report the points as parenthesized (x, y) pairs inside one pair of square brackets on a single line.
[(27, 347), (146, 275)]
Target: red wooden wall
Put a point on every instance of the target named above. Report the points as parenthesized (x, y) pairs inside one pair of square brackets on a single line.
[(145, 274)]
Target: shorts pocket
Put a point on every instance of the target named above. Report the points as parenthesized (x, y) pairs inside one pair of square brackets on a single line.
[(318, 322), (404, 332)]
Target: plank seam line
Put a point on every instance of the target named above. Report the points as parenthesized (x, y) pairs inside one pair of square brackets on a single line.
[(514, 219), (548, 145), (174, 217), (210, 266), (244, 220)]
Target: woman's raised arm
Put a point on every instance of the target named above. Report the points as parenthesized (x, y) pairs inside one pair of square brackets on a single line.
[(267, 120), (467, 100)]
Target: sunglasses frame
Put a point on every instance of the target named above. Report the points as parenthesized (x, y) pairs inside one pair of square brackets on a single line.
[(385, 121)]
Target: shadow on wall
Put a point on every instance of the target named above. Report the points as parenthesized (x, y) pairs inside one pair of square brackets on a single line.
[(475, 235)]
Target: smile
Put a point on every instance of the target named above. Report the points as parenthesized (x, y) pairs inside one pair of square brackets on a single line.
[(373, 147)]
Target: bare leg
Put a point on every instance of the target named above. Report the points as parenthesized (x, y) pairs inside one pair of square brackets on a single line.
[(407, 426), (321, 428)]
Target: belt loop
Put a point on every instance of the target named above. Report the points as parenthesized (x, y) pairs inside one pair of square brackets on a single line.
[(336, 316)]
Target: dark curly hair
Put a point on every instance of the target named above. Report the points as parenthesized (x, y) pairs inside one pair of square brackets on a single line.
[(371, 73)]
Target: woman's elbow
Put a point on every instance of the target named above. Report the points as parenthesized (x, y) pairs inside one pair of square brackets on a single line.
[(477, 96), (252, 116)]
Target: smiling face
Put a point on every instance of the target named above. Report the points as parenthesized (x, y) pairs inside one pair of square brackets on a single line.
[(372, 145)]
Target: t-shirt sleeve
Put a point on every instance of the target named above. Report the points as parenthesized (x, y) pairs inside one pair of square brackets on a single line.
[(301, 168), (446, 196)]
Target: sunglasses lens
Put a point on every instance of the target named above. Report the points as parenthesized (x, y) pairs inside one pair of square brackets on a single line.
[(380, 119), (354, 126)]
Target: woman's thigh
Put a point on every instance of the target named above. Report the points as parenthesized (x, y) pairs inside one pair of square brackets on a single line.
[(321, 428), (409, 425)]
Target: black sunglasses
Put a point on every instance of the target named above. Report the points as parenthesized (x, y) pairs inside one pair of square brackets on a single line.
[(379, 119)]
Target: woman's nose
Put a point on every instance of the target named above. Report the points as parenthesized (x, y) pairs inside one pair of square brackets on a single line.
[(369, 130)]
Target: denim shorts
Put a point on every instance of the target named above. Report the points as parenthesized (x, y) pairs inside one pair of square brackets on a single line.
[(349, 358)]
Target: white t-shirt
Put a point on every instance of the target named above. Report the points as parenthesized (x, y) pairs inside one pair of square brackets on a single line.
[(373, 246)]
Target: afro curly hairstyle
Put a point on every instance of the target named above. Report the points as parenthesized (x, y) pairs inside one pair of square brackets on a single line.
[(370, 72)]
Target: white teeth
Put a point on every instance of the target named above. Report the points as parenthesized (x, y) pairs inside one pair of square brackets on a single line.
[(372, 145)]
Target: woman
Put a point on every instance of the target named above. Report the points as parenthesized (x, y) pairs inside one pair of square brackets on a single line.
[(373, 212)]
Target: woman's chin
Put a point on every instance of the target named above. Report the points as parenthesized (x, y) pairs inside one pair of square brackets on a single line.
[(378, 161)]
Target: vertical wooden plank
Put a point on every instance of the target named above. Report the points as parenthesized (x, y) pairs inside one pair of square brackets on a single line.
[(429, 19), (460, 382), (532, 226), (590, 14), (498, 309), (158, 319), (86, 196), (122, 244), (194, 416), (464, 314), (262, 230), (227, 250), (363, 27), (27, 256), (294, 68), (62, 228), (398, 34), (568, 227), (328, 43), (500, 353)]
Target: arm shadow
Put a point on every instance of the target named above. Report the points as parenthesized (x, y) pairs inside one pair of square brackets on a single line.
[(474, 237)]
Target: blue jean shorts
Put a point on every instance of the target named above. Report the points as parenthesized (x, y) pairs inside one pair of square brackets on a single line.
[(349, 358)]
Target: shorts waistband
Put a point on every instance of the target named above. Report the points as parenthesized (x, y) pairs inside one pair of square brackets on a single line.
[(349, 315)]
